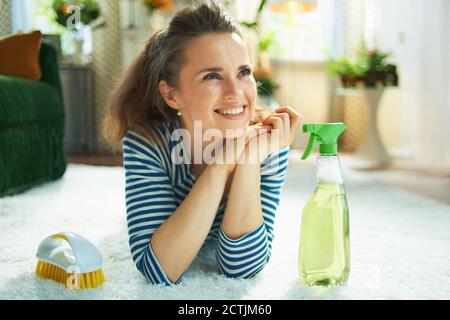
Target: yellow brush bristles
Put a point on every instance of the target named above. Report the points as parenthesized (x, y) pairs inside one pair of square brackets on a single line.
[(70, 280)]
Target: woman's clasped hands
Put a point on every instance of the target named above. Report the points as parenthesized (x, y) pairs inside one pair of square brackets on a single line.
[(276, 131)]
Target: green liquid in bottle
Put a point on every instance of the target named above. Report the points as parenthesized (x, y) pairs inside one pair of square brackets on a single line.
[(324, 257)]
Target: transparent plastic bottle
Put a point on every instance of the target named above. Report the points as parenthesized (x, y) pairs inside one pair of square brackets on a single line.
[(324, 253), (324, 250)]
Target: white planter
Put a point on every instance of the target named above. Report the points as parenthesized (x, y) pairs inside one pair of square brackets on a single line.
[(79, 58), (158, 20), (371, 153)]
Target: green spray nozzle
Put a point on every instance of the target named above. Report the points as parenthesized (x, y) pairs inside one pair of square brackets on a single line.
[(326, 134)]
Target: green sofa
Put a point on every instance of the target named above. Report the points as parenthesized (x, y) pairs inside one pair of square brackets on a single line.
[(31, 128)]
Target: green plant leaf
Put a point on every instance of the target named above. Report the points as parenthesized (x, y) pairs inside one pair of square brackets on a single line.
[(251, 25), (266, 41), (262, 4), (266, 87)]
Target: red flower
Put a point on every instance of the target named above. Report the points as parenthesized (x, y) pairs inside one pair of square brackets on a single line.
[(65, 8), (159, 4)]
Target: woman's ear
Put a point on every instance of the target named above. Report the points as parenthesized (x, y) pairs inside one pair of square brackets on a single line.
[(169, 95)]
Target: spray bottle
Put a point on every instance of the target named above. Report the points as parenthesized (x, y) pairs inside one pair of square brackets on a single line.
[(324, 251)]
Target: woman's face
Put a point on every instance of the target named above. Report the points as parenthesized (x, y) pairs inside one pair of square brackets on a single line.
[(217, 86)]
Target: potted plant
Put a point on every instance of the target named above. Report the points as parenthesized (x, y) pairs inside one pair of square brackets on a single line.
[(369, 69), (349, 73), (75, 15), (89, 11), (158, 12)]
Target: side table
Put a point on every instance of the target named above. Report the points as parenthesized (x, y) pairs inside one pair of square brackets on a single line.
[(76, 82)]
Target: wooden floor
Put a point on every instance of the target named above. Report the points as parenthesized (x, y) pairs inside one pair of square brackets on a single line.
[(95, 159)]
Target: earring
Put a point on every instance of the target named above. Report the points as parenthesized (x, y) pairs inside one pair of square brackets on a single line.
[(179, 113)]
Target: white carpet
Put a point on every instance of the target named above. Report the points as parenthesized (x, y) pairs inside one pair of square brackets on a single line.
[(400, 243)]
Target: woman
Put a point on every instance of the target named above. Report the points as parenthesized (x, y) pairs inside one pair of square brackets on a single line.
[(198, 71)]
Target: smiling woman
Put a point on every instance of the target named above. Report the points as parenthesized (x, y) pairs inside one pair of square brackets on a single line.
[(198, 70), (224, 90)]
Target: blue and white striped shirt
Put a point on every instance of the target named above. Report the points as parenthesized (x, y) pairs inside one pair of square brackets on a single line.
[(156, 186)]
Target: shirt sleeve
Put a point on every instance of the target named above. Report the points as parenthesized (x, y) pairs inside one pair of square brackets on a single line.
[(245, 257), (150, 201)]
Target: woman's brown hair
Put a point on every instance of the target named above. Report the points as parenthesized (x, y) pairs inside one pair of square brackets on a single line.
[(137, 103)]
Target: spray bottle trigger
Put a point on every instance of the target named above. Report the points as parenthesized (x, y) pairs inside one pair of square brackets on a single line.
[(310, 147)]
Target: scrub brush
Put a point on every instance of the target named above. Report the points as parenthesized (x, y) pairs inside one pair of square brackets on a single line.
[(70, 259)]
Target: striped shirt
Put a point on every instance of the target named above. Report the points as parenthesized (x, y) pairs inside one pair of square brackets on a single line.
[(154, 188)]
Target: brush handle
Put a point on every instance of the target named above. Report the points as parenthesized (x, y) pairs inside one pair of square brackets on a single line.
[(87, 257)]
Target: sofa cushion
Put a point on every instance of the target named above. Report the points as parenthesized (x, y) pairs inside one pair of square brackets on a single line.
[(19, 55), (26, 101)]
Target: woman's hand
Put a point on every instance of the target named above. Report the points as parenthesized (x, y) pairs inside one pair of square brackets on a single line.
[(233, 148), (283, 125), (287, 120), (270, 135)]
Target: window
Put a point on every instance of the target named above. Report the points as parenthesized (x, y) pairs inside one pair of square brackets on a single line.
[(299, 36)]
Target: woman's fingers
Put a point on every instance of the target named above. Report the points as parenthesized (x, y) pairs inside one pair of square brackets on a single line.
[(289, 110), (286, 120), (294, 116), (295, 119), (275, 121), (280, 121), (259, 127), (286, 123), (256, 130)]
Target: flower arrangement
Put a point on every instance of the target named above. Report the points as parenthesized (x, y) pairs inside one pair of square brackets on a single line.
[(158, 4), (89, 12), (370, 69)]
